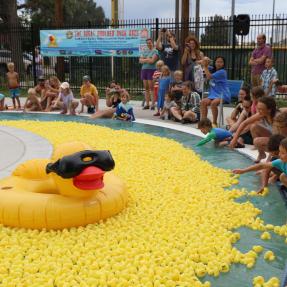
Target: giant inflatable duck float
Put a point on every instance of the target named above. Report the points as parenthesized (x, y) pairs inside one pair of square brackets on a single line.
[(74, 188)]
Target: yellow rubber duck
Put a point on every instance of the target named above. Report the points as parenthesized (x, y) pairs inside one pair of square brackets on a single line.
[(75, 189), (52, 41)]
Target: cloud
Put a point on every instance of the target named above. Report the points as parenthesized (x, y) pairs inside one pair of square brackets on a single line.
[(148, 9)]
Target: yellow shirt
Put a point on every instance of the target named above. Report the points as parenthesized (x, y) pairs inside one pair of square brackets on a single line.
[(91, 89)]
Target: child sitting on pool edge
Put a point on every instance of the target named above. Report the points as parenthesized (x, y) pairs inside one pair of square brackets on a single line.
[(65, 100), (168, 104), (216, 134), (280, 164), (124, 110), (32, 103), (270, 175)]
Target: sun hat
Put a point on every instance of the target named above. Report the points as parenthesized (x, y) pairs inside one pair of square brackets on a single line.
[(65, 85), (86, 78)]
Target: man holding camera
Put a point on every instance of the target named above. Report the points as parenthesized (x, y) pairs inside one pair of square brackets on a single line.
[(170, 50)]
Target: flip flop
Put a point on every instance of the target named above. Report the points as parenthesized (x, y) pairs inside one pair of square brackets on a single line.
[(239, 145)]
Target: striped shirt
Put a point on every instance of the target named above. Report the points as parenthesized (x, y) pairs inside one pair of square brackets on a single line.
[(191, 102), (156, 75), (266, 77)]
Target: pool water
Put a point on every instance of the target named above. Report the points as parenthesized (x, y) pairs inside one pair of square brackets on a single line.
[(273, 207)]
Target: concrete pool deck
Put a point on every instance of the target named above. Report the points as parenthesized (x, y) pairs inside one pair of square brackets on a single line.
[(22, 145)]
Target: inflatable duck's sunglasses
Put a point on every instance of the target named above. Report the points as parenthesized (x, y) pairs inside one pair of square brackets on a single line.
[(72, 165)]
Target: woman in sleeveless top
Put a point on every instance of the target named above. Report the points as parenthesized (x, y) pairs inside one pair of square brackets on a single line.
[(191, 56), (261, 125)]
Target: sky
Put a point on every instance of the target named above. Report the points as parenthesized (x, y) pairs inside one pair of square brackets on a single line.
[(139, 9)]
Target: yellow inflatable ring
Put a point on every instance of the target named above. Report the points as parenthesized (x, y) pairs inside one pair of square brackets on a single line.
[(31, 198)]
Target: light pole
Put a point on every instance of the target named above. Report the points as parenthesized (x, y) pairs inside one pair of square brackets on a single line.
[(197, 18), (272, 28), (232, 21)]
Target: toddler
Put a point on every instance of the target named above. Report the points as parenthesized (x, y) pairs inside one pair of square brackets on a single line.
[(168, 104), (32, 103), (267, 78), (155, 77), (164, 82), (176, 87), (124, 110)]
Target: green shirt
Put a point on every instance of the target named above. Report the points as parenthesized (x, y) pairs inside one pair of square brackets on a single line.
[(211, 136), (149, 54)]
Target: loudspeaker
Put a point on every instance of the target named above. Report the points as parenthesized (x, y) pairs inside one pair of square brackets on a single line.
[(242, 24)]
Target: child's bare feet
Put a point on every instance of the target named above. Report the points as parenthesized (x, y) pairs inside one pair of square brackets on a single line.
[(63, 112)]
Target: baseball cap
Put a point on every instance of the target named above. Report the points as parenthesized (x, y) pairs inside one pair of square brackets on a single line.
[(65, 85), (41, 78), (86, 78)]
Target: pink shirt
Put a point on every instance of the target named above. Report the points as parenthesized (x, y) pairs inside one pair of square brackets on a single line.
[(258, 53), (156, 75)]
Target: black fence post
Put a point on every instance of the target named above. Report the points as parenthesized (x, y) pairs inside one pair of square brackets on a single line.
[(90, 59), (233, 49), (156, 27), (32, 29)]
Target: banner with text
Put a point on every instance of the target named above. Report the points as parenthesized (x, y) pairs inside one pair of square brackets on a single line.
[(94, 42)]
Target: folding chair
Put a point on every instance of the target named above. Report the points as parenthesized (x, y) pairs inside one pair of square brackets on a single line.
[(234, 87)]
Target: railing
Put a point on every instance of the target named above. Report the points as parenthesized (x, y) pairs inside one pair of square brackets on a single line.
[(214, 33)]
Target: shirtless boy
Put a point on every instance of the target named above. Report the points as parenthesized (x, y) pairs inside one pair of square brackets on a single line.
[(13, 85)]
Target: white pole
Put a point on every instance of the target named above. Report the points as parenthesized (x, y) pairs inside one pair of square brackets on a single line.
[(112, 67), (232, 7)]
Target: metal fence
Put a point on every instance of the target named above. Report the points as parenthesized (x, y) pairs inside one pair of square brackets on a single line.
[(214, 33)]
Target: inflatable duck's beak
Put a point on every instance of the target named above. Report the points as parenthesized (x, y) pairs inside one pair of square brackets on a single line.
[(90, 178)]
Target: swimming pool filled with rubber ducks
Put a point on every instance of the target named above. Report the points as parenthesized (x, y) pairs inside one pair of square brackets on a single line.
[(185, 255)]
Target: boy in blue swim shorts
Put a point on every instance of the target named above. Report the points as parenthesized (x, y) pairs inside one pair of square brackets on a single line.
[(216, 134), (13, 85), (2, 99)]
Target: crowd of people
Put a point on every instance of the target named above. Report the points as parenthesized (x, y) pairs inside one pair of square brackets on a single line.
[(52, 95), (178, 95)]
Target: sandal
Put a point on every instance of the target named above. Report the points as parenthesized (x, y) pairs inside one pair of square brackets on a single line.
[(146, 108), (239, 145)]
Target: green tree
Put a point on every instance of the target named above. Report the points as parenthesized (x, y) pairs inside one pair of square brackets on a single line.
[(217, 32), (42, 12), (9, 31)]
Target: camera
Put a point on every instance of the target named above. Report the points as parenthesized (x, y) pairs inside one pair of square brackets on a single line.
[(163, 30)]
